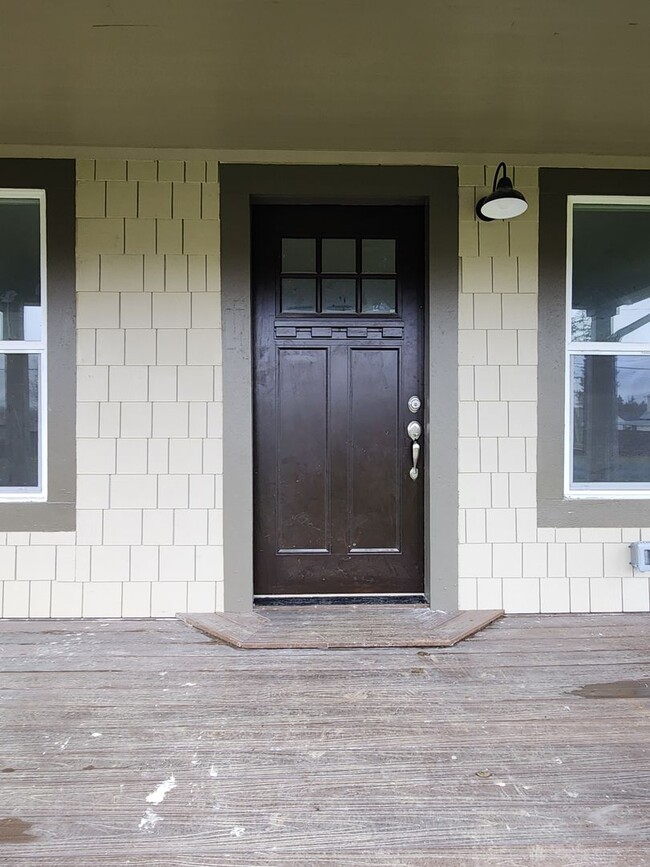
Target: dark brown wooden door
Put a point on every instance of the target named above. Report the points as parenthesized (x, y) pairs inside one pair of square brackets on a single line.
[(338, 335)]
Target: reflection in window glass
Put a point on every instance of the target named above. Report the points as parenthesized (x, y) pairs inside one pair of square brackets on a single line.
[(298, 295), (298, 255), (339, 296), (378, 296), (20, 269), (19, 383), (378, 255), (611, 273), (339, 255), (610, 412)]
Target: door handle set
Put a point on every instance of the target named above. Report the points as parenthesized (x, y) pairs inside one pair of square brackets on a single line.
[(414, 430)]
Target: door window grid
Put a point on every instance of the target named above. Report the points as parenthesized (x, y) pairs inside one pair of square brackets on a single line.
[(607, 388), (309, 287), (23, 364)]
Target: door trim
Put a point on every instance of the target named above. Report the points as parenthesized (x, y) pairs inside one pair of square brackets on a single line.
[(437, 188)]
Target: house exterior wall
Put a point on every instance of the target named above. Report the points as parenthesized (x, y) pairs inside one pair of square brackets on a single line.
[(505, 559), (148, 538), (149, 415)]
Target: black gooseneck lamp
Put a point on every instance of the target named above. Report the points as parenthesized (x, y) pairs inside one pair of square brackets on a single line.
[(504, 202)]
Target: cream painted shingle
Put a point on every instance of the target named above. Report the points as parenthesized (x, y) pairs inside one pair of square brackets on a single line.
[(555, 595), (136, 600), (121, 199), (123, 273), (177, 563), (36, 563), (91, 199), (520, 311), (98, 310), (66, 600), (492, 418), (102, 599), (186, 201), (154, 200), (170, 419), (133, 491), (100, 236), (144, 563), (123, 527), (169, 598), (110, 169), (169, 236)]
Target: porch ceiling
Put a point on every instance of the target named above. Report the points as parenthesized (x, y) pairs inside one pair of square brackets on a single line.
[(517, 76)]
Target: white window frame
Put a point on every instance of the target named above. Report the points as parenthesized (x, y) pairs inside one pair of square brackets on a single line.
[(39, 348), (603, 490)]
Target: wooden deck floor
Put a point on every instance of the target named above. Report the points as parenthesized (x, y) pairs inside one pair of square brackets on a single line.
[(146, 743)]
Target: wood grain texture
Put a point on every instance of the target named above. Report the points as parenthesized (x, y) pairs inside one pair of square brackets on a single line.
[(147, 743), (341, 626)]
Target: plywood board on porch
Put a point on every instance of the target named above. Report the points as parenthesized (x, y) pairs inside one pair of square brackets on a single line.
[(324, 626)]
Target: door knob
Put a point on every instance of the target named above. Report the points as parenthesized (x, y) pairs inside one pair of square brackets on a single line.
[(414, 430)]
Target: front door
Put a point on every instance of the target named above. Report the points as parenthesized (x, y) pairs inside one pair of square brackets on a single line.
[(338, 296)]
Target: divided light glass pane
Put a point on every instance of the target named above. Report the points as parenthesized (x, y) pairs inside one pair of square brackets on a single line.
[(611, 273), (19, 384), (378, 296), (298, 255), (610, 412), (339, 256), (339, 296), (20, 269), (378, 255), (298, 294)]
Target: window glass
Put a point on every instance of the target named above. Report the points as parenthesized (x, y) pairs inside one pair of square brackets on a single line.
[(20, 269), (339, 256), (19, 420), (339, 296), (611, 273), (298, 255), (378, 255), (378, 296), (298, 295)]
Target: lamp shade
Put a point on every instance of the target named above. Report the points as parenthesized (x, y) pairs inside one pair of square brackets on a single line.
[(503, 203)]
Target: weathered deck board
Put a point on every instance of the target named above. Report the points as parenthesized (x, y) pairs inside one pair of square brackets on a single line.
[(341, 626), (359, 758)]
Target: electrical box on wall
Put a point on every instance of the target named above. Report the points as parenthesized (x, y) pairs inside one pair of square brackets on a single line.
[(640, 556)]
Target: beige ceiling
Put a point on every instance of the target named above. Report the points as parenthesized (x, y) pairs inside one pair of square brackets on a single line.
[(519, 76)]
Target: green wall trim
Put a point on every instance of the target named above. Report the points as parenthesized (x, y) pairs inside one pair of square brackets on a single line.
[(57, 178), (437, 188)]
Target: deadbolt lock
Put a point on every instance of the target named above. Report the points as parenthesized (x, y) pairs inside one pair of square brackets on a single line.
[(414, 403)]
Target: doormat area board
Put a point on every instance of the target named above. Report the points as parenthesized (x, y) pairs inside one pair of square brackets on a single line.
[(319, 626)]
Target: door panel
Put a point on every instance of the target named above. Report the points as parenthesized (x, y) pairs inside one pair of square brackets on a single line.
[(338, 337), (302, 451), (374, 454)]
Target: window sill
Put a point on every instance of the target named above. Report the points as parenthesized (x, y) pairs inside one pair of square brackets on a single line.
[(37, 517), (593, 512)]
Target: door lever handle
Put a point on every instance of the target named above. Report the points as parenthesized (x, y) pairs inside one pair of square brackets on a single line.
[(414, 472), (414, 430)]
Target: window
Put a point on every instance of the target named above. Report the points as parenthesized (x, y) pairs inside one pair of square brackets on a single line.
[(37, 345), (593, 411), (23, 362), (368, 287), (608, 339)]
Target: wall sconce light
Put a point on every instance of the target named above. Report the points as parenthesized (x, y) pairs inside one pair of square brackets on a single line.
[(504, 202)]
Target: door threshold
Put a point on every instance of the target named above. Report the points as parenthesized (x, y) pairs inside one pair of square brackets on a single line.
[(344, 599)]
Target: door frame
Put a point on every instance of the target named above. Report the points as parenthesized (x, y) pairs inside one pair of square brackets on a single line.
[(436, 187)]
